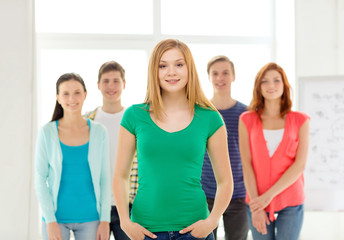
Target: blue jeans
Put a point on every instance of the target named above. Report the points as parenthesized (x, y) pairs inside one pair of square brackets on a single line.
[(177, 236), (82, 231), (287, 225), (115, 226)]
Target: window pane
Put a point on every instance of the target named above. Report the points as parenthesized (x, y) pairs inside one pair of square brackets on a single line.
[(54, 63), (247, 59), (216, 17), (89, 16)]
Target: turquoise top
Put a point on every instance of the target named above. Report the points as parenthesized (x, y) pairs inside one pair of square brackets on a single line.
[(76, 200), (170, 195), (48, 170)]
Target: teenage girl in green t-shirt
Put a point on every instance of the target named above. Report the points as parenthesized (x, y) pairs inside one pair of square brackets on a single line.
[(171, 132)]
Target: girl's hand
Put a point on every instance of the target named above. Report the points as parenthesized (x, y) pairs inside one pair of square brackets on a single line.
[(103, 232), (136, 231), (260, 220), (259, 203), (54, 231), (200, 229)]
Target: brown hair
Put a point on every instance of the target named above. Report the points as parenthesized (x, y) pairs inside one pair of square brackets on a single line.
[(194, 92), (257, 103), (220, 58), (111, 66)]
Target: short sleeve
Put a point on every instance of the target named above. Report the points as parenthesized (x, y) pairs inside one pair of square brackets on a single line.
[(216, 122), (128, 120), (301, 118)]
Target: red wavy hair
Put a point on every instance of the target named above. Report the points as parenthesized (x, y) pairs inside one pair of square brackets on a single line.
[(257, 103)]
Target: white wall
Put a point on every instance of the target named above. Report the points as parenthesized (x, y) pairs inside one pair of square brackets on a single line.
[(320, 52), (319, 37), (340, 27), (16, 83)]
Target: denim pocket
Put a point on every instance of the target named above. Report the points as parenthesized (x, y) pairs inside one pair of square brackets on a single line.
[(189, 236)]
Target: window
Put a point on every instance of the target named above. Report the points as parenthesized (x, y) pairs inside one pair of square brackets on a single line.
[(79, 35), (217, 17), (247, 59), (71, 38), (86, 62), (89, 16)]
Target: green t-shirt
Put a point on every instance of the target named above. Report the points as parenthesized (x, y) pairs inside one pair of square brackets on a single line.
[(170, 195)]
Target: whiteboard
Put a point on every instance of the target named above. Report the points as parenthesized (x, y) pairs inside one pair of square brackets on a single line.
[(322, 98)]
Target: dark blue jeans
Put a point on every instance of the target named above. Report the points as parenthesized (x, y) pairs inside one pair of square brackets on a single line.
[(177, 236), (115, 226)]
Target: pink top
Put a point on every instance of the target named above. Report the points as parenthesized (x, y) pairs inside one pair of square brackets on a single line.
[(269, 169)]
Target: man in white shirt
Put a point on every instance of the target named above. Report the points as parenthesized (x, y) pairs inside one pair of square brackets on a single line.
[(111, 82)]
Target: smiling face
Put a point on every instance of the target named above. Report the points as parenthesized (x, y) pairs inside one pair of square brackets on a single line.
[(111, 85), (221, 76), (173, 72), (71, 96), (272, 85)]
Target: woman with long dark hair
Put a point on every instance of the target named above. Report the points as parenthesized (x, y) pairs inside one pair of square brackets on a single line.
[(72, 178)]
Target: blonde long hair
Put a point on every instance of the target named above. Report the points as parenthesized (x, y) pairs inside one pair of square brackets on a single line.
[(193, 92)]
